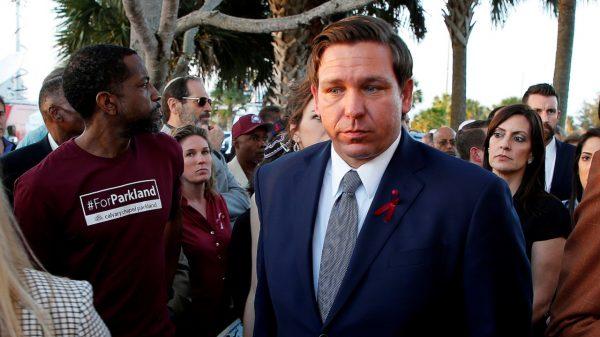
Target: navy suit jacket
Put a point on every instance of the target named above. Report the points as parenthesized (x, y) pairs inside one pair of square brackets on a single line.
[(15, 163), (451, 261), (562, 178)]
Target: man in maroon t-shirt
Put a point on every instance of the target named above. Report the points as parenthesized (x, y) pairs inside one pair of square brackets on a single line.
[(104, 207)]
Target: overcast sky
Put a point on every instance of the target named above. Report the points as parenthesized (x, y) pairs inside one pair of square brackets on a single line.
[(502, 61)]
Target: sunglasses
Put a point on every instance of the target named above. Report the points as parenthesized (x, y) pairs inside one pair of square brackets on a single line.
[(200, 100)]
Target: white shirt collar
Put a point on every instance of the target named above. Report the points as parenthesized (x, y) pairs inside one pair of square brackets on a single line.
[(552, 145), (370, 173), (53, 144)]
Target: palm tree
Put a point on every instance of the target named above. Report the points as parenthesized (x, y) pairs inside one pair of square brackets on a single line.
[(458, 17), (564, 52)]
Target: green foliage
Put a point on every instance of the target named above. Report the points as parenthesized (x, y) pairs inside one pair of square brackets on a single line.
[(393, 12), (508, 101), (87, 22), (226, 99), (588, 115), (439, 113)]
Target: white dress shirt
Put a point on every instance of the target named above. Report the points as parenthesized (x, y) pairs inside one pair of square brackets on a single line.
[(240, 176), (550, 162), (370, 175), (53, 143)]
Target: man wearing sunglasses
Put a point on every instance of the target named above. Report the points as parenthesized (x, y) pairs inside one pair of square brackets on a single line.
[(185, 102), (444, 139)]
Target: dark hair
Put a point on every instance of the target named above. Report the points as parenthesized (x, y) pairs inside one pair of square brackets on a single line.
[(177, 88), (2, 101), (533, 182), (361, 29), (58, 72), (300, 96), (468, 138), (180, 134), (92, 70), (268, 113), (576, 187), (543, 89), (573, 139), (493, 113), (476, 124), (50, 87)]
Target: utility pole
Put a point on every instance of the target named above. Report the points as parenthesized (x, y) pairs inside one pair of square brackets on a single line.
[(18, 87)]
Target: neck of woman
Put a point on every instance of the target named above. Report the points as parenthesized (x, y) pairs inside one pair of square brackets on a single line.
[(513, 179), (192, 192)]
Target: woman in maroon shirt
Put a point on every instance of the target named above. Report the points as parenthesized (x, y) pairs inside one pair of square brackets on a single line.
[(205, 238)]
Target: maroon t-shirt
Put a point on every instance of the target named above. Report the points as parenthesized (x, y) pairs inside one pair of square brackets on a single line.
[(103, 220), (205, 241)]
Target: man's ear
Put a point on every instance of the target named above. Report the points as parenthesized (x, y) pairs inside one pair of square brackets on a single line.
[(174, 106), (407, 95), (55, 114), (107, 102), (476, 155)]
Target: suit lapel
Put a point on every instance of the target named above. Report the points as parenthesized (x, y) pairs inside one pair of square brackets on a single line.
[(558, 167), (375, 232), (309, 179)]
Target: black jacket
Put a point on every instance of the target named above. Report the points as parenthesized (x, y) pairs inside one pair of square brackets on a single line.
[(15, 163)]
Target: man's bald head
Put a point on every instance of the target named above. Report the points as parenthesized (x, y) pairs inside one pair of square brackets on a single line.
[(444, 139)]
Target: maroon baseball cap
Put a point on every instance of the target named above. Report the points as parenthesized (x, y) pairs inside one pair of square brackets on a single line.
[(247, 124)]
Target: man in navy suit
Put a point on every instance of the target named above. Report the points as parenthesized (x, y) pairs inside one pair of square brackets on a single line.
[(373, 233), (559, 156), (62, 122)]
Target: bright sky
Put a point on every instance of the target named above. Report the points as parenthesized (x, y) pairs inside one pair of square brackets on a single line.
[(502, 61)]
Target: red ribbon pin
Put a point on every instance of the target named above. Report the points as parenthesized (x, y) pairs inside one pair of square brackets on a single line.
[(389, 207)]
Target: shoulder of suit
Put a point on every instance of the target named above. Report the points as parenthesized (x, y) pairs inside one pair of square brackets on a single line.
[(49, 290)]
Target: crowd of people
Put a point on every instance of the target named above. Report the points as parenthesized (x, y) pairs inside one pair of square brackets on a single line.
[(121, 216)]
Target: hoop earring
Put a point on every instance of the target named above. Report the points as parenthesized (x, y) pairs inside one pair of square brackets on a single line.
[(296, 147), (530, 160)]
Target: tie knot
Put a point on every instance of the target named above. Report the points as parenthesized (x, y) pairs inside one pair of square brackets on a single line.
[(350, 182)]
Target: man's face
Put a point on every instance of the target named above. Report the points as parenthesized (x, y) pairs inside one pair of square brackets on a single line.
[(445, 140), (139, 108), (359, 100), (547, 108), (250, 148), (2, 119), (192, 113)]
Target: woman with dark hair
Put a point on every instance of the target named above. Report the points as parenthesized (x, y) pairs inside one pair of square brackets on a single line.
[(205, 237), (514, 150), (587, 146)]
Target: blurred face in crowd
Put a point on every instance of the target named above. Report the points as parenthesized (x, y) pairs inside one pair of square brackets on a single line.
[(2, 119), (69, 122), (250, 148), (310, 131), (444, 139), (139, 99), (197, 160), (547, 108), (510, 146), (359, 99), (192, 112), (590, 147)]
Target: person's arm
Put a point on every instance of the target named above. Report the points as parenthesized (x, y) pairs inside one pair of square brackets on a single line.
[(546, 257), (496, 273), (36, 221), (235, 197), (249, 308), (172, 234), (576, 308), (264, 315)]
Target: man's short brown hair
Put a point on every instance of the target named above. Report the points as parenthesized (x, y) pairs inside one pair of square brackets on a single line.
[(361, 29)]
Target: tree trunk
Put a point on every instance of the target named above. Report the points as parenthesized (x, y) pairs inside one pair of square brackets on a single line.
[(564, 51), (291, 48), (458, 17)]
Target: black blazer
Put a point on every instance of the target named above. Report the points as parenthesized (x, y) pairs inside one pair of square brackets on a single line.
[(563, 171), (15, 163)]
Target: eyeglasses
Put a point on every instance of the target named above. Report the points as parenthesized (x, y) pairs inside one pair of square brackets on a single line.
[(201, 101)]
